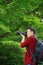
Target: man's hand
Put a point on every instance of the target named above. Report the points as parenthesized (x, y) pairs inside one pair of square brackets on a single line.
[(23, 37)]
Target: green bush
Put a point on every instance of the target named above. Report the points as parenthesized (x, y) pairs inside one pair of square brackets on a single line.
[(11, 53)]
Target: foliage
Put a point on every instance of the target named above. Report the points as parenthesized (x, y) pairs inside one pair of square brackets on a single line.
[(17, 15)]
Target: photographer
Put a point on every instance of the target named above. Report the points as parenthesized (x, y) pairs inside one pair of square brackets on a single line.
[(30, 42)]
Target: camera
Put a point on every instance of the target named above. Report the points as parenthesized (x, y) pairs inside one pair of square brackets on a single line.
[(23, 33)]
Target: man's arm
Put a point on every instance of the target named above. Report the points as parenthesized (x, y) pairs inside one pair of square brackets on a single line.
[(24, 42), (23, 39), (27, 42)]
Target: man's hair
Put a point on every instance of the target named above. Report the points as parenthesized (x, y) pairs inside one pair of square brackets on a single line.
[(32, 29)]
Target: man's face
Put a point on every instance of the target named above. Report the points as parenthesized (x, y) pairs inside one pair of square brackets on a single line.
[(29, 33)]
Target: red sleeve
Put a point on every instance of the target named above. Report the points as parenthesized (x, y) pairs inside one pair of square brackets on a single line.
[(28, 41)]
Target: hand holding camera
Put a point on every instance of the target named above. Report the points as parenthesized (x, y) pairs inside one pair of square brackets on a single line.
[(23, 34)]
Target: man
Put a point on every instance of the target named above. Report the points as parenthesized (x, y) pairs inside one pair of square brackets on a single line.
[(30, 44)]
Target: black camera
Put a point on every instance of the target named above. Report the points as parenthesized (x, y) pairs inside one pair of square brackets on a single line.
[(23, 33)]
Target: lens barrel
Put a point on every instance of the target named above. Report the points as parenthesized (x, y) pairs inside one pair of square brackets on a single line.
[(24, 33)]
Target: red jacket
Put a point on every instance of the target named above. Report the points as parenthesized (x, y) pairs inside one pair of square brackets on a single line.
[(30, 42)]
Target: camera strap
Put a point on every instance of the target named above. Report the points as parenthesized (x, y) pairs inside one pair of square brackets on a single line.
[(30, 51)]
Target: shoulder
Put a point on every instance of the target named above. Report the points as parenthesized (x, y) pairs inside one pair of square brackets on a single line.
[(32, 38)]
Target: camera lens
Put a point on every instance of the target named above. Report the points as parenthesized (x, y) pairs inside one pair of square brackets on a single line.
[(24, 33), (18, 33)]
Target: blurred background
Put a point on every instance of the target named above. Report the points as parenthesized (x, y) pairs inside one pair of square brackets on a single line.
[(17, 15)]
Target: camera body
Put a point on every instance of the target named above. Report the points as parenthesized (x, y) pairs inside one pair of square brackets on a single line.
[(23, 33)]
